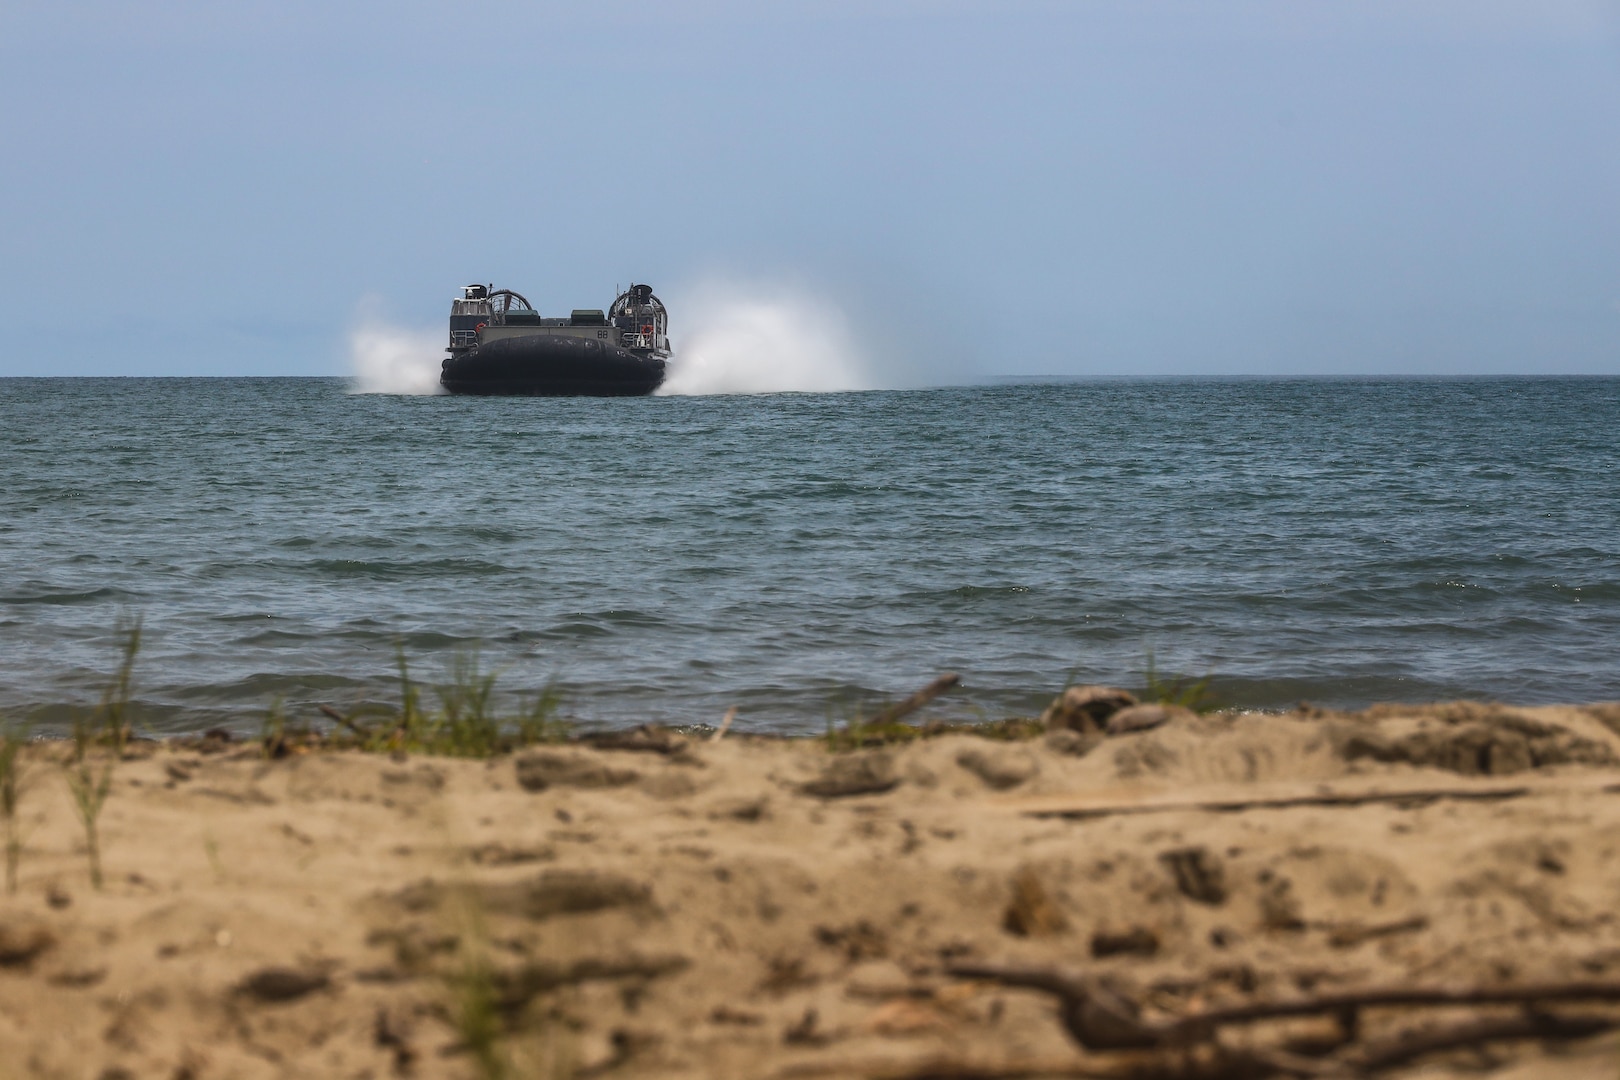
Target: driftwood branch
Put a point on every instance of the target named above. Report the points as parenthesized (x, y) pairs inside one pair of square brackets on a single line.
[(1398, 1051), (1394, 996), (1220, 1064), (916, 701), (1214, 1062), (966, 1069), (1100, 1019)]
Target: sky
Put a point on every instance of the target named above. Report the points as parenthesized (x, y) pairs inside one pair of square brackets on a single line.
[(1069, 188)]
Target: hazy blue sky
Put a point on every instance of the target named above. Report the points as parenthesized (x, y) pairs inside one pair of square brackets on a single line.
[(1092, 187)]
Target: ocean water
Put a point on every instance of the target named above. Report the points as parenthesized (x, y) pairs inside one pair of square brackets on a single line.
[(804, 556)]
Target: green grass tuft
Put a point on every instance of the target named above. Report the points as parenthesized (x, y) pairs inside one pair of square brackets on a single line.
[(538, 722), (1180, 690), (465, 724), (117, 726), (475, 1003)]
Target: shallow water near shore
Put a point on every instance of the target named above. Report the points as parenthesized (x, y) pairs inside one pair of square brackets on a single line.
[(799, 555)]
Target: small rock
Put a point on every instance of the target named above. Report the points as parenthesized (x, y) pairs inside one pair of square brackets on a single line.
[(1146, 718), (879, 980), (1001, 767), (593, 1053), (1199, 874), (277, 984), (20, 944), (542, 769), (58, 898), (854, 774), (1132, 941), (1085, 708)]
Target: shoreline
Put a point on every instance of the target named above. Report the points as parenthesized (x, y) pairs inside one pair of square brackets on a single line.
[(657, 904)]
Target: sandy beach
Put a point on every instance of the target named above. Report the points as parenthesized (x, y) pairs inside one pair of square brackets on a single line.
[(660, 905)]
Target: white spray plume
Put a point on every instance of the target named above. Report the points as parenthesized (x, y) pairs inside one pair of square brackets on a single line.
[(729, 341), (388, 359)]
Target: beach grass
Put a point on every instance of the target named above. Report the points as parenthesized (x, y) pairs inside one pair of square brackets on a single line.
[(89, 779), (466, 725), (466, 721), (99, 741), (116, 725), (1182, 690), (474, 999), (13, 774)]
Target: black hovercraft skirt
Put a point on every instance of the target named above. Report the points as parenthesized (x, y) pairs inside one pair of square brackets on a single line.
[(552, 366)]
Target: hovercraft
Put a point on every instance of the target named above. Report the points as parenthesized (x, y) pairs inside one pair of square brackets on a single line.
[(499, 344)]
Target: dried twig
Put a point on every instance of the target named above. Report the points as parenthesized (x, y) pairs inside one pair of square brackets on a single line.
[(1351, 935), (725, 725), (918, 700)]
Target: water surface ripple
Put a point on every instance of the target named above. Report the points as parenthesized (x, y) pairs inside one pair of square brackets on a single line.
[(663, 558)]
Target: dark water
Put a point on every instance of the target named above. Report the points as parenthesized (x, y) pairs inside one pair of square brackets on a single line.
[(1342, 542)]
